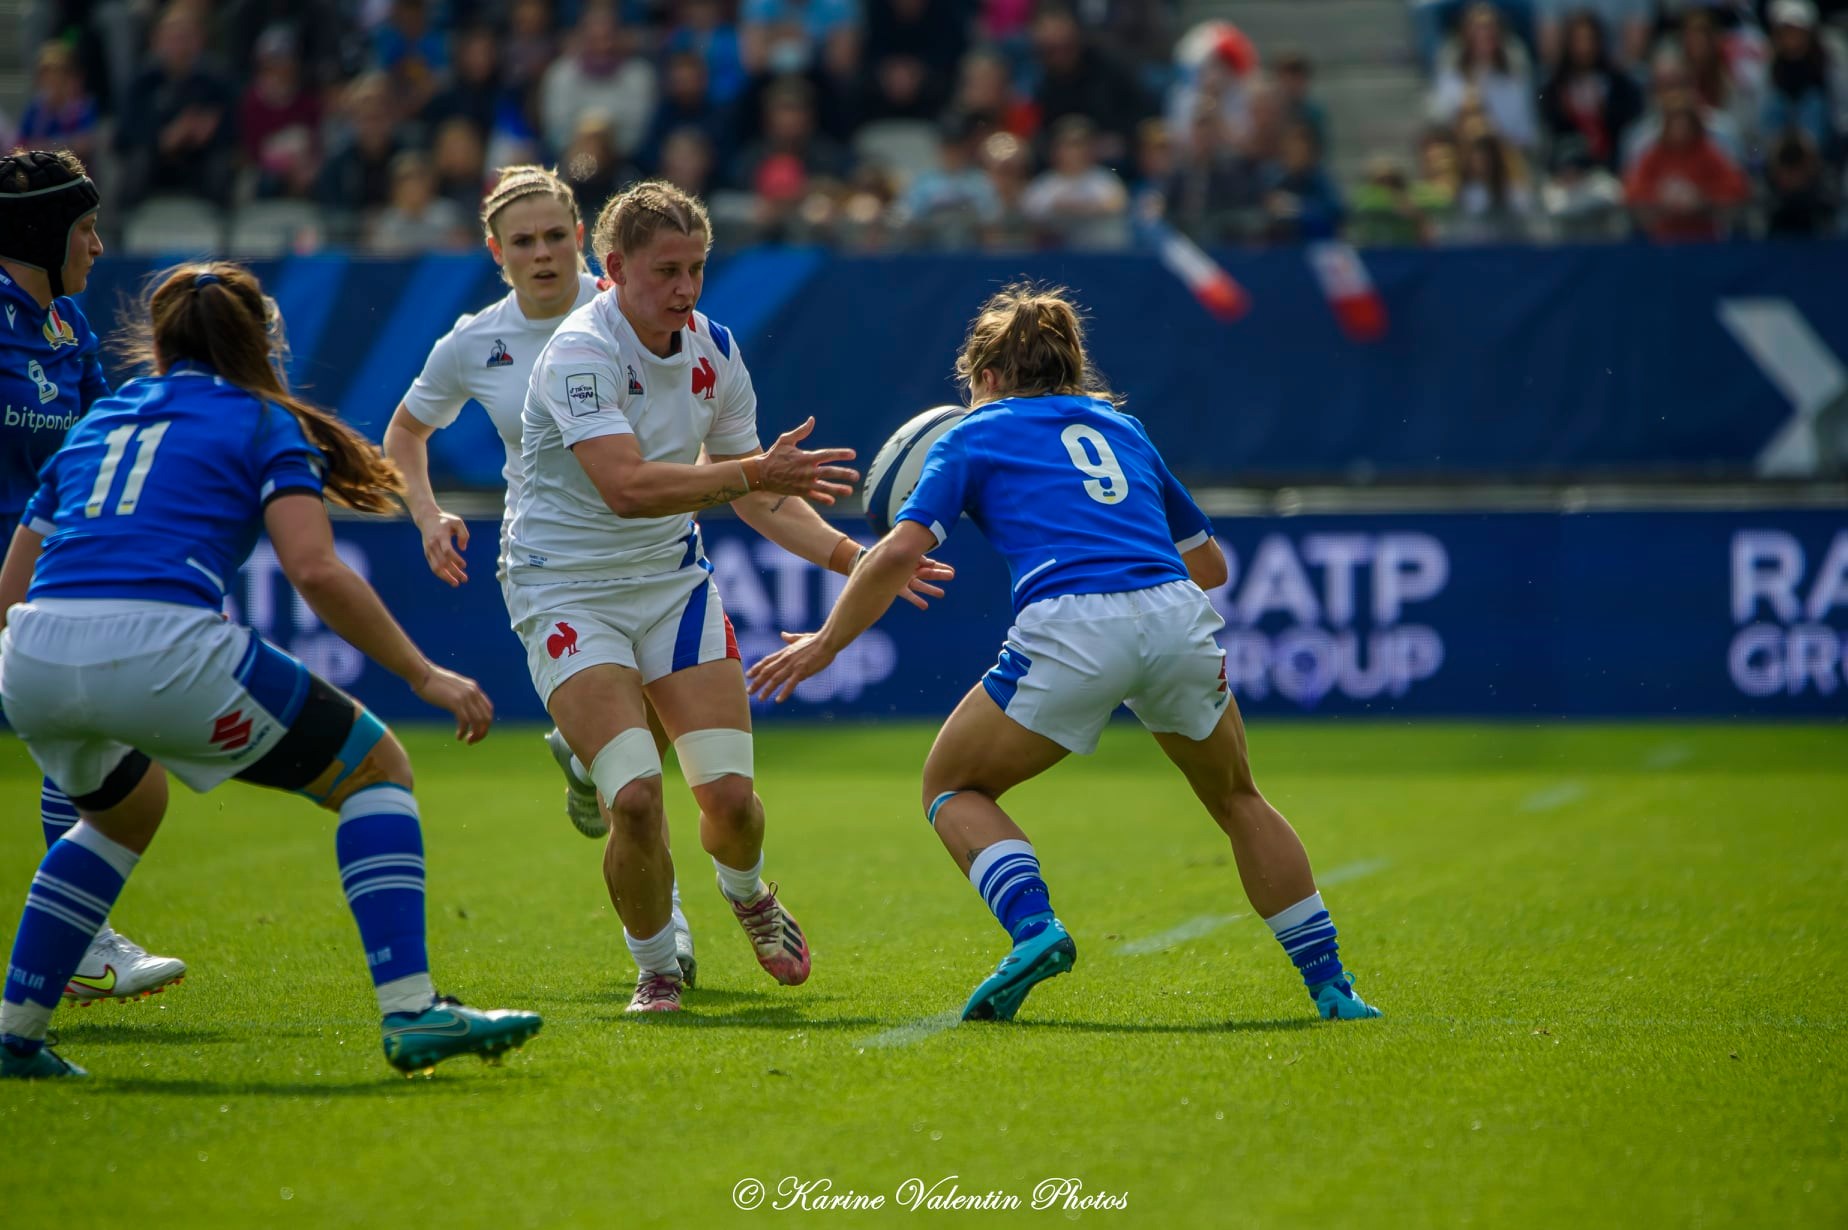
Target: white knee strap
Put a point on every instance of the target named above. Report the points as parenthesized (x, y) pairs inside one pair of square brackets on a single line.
[(707, 755), (629, 757)]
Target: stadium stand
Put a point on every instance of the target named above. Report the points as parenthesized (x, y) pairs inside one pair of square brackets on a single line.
[(1258, 121)]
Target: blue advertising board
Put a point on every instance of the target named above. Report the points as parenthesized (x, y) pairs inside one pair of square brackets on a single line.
[(1620, 614), (1695, 360)]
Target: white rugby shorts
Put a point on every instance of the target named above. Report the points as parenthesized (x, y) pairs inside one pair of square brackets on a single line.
[(1070, 661), (655, 624), (88, 682)]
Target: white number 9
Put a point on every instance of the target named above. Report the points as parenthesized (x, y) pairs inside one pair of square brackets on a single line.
[(1107, 484)]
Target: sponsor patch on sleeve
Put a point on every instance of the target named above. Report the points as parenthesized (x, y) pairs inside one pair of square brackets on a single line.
[(584, 394)]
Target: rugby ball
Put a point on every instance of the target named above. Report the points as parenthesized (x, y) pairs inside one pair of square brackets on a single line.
[(895, 470)]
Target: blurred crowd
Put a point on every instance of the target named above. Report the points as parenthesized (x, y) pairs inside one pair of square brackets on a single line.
[(878, 124), (1591, 119)]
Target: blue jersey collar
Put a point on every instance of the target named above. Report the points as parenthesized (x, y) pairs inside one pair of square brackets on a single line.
[(15, 293)]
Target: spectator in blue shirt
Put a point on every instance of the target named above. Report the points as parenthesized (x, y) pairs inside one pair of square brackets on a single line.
[(1302, 200), (703, 30), (474, 90), (793, 36), (686, 102), (1800, 78), (61, 113)]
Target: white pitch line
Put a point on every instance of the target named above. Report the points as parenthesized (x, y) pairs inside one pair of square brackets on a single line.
[(1554, 797), (1352, 871), (915, 1031), (1174, 937), (1668, 756), (1206, 924)]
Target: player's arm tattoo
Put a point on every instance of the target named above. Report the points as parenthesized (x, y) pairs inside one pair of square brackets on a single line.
[(780, 501), (974, 851), (724, 495)]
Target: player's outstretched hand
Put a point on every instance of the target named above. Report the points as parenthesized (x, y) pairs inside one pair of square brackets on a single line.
[(463, 697), (776, 676), (919, 587), (445, 537), (790, 470)]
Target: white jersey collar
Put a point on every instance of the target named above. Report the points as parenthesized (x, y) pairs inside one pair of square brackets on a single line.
[(587, 290), (626, 335)]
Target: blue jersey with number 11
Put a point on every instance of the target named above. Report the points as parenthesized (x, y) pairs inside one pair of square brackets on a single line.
[(1070, 490), (158, 492)]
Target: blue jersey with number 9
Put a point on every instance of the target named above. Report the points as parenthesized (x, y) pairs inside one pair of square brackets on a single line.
[(158, 492), (1070, 490)]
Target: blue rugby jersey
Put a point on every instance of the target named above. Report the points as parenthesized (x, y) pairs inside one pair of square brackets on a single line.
[(1070, 490), (158, 492), (50, 373)]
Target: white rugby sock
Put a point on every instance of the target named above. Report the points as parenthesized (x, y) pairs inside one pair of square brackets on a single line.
[(411, 993), (739, 885), (654, 955)]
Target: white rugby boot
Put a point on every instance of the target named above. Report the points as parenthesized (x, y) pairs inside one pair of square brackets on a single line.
[(115, 967)]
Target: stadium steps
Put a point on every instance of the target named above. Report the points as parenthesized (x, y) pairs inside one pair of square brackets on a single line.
[(1367, 72), (15, 77)]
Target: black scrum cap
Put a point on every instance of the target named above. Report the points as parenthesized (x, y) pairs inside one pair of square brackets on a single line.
[(42, 199)]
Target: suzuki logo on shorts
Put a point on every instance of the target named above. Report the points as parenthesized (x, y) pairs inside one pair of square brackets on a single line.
[(562, 643), (231, 731), (705, 378)]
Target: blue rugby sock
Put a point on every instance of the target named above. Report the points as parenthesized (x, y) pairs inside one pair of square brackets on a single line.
[(1007, 874), (1308, 936), (76, 886), (380, 846), (56, 812)]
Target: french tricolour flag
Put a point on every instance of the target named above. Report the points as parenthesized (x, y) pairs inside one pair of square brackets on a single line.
[(1358, 307), (1217, 291)]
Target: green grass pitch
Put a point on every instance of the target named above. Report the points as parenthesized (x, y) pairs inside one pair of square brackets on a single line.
[(1611, 958)]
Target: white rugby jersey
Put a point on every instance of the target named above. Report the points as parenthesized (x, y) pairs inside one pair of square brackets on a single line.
[(488, 357), (595, 378)]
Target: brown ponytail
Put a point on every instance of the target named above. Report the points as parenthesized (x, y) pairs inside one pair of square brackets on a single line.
[(1032, 338), (217, 314)]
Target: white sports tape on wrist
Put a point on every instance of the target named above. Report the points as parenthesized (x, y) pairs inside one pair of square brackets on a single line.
[(707, 755), (629, 757)]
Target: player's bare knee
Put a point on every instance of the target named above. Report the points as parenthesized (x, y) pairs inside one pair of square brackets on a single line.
[(627, 774), (938, 783), (635, 812), (1237, 803), (730, 800)]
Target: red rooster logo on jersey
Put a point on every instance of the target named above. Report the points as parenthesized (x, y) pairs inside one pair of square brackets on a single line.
[(705, 378), (562, 643)]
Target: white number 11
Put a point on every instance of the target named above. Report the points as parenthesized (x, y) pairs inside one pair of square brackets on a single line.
[(1107, 484), (118, 441)]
